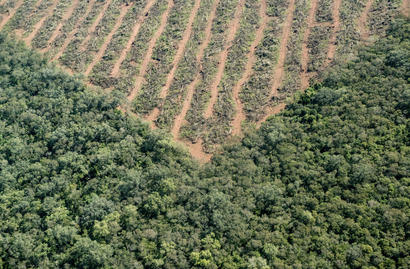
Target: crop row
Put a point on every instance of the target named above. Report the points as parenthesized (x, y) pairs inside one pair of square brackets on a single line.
[(324, 11), (7, 7), (72, 55), (349, 35), (27, 15), (318, 44), (255, 92), (101, 74), (68, 26), (291, 80), (81, 51), (162, 57), (40, 41), (196, 122), (381, 15), (186, 71), (219, 125), (131, 65)]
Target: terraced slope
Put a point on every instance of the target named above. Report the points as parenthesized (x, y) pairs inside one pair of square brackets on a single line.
[(201, 69)]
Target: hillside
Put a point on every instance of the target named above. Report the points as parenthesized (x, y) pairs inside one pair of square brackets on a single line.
[(201, 69), (323, 184)]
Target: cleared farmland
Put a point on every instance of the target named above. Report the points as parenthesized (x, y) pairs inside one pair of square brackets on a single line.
[(201, 69)]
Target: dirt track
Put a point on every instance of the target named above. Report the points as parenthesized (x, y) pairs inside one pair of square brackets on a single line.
[(11, 14), (405, 8), (191, 88), (103, 48), (240, 115), (279, 68), (336, 27), (38, 25), (66, 16), (235, 24), (177, 58), (131, 40), (148, 54), (363, 30), (304, 78), (74, 31), (92, 28)]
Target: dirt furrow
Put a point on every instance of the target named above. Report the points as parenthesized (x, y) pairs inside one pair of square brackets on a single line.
[(101, 51), (66, 16), (148, 54), (92, 28), (405, 7), (304, 78), (74, 31), (363, 30), (131, 40), (279, 68), (235, 24), (240, 116), (336, 27), (191, 88), (178, 56), (38, 25), (322, 24), (11, 14), (271, 111)]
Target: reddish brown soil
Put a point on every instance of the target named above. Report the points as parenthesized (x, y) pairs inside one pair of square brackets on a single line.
[(304, 78), (148, 54), (191, 88), (178, 56), (336, 27), (38, 25), (66, 16), (101, 51), (279, 68), (135, 31), (196, 151), (364, 31), (74, 31), (233, 28), (11, 14), (405, 8), (153, 116), (271, 111), (240, 115), (92, 28)]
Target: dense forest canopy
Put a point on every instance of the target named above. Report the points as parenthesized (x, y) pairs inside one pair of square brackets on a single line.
[(325, 184)]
